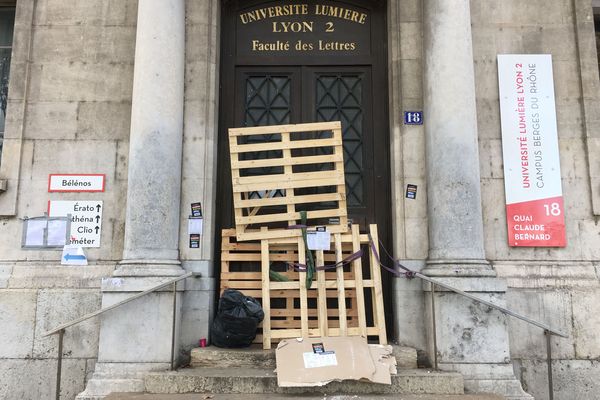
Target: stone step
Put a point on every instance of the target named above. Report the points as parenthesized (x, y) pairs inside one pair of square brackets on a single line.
[(256, 380), (256, 357), (267, 396)]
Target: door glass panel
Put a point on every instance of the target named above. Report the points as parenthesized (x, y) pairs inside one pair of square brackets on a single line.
[(339, 97), (267, 102)]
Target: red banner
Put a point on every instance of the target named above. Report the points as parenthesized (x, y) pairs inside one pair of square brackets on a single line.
[(536, 223)]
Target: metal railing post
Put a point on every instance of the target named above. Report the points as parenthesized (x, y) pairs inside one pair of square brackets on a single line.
[(433, 327), (61, 334), (173, 325), (549, 360)]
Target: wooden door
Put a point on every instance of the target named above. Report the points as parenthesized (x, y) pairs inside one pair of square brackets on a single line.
[(289, 86)]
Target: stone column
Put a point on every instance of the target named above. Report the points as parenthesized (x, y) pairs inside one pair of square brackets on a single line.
[(453, 186), (136, 338), (154, 180), (471, 338)]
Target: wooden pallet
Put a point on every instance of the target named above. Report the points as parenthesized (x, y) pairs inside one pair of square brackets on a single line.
[(241, 270), (334, 306), (279, 171)]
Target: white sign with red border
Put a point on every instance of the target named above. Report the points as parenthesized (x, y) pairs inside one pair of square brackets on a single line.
[(532, 180), (76, 182)]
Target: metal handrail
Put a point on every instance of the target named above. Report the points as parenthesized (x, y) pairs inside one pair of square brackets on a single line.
[(60, 330), (548, 331), (489, 304)]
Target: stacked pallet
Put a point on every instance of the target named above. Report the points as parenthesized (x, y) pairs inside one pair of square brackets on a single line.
[(278, 172)]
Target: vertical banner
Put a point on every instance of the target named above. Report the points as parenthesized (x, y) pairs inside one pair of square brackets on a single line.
[(534, 201)]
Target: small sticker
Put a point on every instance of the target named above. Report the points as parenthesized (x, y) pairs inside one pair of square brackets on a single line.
[(411, 191), (333, 221), (196, 209), (194, 241), (318, 348)]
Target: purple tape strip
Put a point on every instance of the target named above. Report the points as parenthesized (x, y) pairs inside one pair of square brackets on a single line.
[(345, 261)]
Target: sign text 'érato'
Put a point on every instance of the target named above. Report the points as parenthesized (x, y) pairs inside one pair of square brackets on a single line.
[(86, 220)]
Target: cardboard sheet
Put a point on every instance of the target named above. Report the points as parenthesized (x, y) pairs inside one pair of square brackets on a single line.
[(318, 361)]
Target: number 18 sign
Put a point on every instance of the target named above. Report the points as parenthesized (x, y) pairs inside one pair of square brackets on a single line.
[(534, 200)]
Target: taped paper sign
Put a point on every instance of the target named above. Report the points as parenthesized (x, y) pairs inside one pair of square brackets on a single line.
[(316, 360), (318, 240)]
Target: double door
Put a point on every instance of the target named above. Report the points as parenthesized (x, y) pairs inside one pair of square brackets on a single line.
[(288, 95)]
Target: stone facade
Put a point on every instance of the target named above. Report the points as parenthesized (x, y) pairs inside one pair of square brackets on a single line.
[(70, 111)]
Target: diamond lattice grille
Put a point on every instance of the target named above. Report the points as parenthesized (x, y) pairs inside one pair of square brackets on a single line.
[(339, 97), (268, 100)]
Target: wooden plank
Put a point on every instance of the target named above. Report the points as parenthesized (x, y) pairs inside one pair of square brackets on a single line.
[(288, 177), (290, 195), (286, 161), (303, 298), (261, 130), (236, 149), (237, 197), (256, 276), (378, 311), (280, 201), (322, 295), (256, 219), (284, 177), (283, 233), (266, 305), (341, 290), (295, 313), (339, 152), (360, 293), (276, 182), (279, 294), (284, 285)]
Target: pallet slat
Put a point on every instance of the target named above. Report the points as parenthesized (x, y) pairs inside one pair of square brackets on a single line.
[(271, 192)]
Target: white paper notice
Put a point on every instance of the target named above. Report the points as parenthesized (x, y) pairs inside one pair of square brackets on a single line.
[(35, 232), (195, 226), (312, 360), (318, 240), (57, 233)]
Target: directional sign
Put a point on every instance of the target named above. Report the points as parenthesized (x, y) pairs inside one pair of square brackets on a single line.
[(73, 255), (86, 220), (76, 183)]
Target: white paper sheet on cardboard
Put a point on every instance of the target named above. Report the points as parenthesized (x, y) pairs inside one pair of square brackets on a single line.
[(354, 358)]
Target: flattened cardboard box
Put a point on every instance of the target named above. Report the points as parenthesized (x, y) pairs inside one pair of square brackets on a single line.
[(318, 361)]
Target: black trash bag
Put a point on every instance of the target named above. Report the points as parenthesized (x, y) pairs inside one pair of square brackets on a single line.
[(236, 321)]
